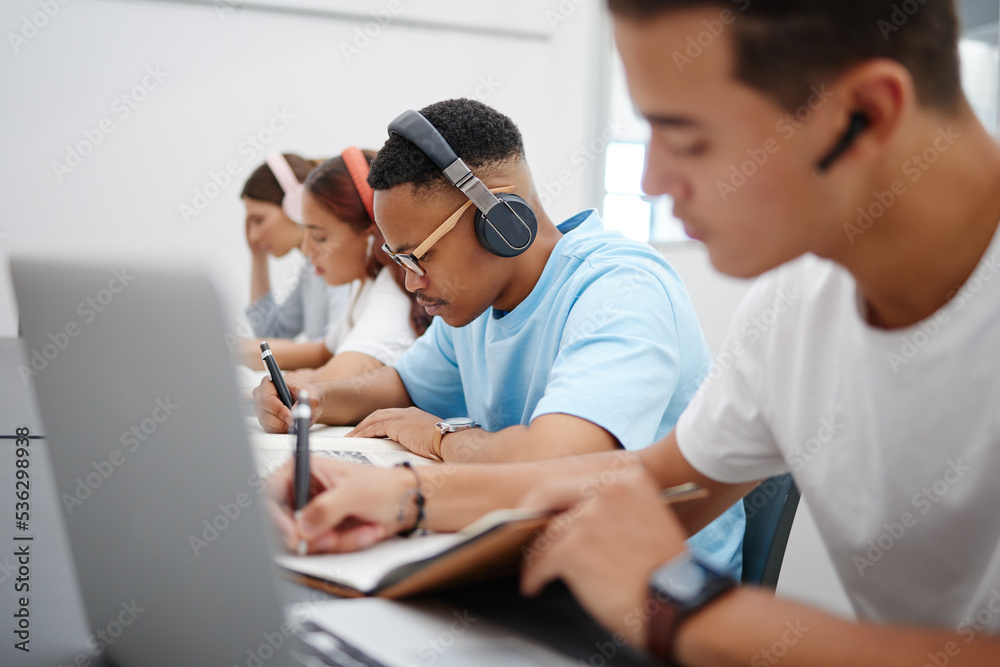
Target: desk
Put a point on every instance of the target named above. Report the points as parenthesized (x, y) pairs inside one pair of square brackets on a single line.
[(58, 626)]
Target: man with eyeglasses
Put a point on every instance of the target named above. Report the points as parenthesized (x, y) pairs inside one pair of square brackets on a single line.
[(585, 342)]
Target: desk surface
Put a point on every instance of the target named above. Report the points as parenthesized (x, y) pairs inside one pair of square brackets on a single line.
[(58, 628)]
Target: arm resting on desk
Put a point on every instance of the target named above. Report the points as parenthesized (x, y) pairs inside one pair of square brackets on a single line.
[(549, 436), (755, 622)]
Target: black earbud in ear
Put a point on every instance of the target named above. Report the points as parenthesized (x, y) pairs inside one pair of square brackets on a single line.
[(857, 125)]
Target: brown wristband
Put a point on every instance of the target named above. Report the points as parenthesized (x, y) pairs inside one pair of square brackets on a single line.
[(661, 632), (419, 499)]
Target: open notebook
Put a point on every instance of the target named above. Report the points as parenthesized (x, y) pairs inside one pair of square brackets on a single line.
[(272, 450), (399, 567)]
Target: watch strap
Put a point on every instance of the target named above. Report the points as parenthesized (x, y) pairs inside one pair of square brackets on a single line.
[(661, 632), (439, 432)]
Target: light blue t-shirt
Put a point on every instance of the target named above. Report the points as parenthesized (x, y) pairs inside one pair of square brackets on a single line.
[(608, 334)]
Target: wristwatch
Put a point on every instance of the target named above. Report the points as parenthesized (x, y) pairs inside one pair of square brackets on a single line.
[(682, 586), (450, 425)]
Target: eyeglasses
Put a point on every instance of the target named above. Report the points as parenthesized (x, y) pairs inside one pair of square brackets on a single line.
[(411, 261)]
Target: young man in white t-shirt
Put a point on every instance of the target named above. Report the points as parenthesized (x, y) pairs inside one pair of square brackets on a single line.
[(830, 139)]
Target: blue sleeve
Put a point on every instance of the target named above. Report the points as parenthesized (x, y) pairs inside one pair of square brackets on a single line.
[(429, 371), (618, 363), (270, 319)]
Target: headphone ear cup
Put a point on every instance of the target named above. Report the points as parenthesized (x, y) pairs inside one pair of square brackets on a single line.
[(510, 228), (292, 205)]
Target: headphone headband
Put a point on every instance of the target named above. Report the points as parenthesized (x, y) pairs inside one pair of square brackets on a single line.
[(357, 167), (412, 126), (292, 201), (505, 225)]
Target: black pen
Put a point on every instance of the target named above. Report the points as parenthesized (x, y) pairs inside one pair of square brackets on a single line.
[(302, 414), (274, 374)]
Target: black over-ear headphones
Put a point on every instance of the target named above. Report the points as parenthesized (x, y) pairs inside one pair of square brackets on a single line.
[(505, 224), (857, 125)]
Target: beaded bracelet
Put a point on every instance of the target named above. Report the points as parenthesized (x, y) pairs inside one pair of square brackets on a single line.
[(418, 525)]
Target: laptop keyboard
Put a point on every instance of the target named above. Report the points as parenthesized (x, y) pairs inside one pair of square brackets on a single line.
[(317, 647)]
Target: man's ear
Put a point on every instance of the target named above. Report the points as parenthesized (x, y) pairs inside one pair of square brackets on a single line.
[(875, 95)]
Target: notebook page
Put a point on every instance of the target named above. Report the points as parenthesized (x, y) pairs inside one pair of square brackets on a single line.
[(362, 570)]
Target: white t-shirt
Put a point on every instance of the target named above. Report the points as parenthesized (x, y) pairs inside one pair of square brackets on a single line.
[(376, 321), (893, 437)]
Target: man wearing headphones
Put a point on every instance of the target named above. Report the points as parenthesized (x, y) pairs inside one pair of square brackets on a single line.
[(549, 341)]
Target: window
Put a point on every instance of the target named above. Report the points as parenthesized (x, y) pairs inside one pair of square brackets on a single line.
[(626, 208), (979, 53)]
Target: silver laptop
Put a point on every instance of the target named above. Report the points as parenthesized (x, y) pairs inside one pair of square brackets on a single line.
[(161, 503)]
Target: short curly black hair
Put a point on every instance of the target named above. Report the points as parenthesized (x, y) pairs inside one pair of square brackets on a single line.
[(480, 135)]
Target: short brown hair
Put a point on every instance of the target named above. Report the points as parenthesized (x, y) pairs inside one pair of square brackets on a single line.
[(784, 47)]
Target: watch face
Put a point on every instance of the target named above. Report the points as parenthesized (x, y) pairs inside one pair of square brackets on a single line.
[(458, 421), (688, 584), (683, 580)]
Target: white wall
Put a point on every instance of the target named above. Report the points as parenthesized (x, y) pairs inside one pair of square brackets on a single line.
[(226, 68)]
